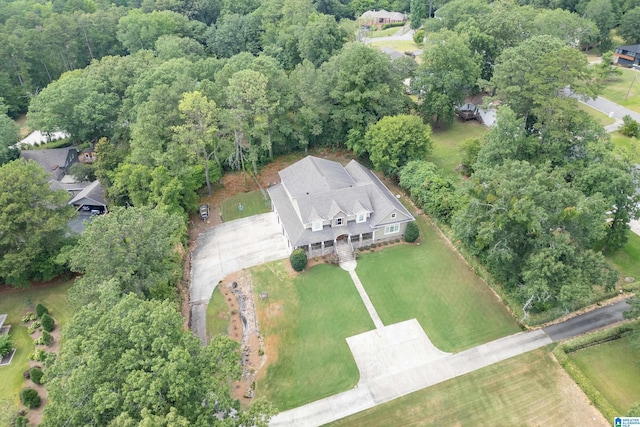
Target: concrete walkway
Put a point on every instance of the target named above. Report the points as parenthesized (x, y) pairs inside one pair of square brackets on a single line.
[(350, 266)]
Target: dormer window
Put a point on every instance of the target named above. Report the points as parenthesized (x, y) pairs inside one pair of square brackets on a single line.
[(393, 215), (360, 217), (316, 225), (339, 221)]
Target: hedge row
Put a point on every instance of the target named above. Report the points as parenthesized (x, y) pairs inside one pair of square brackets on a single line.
[(561, 352), (393, 24)]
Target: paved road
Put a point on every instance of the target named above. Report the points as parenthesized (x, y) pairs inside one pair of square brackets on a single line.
[(587, 322), (225, 249)]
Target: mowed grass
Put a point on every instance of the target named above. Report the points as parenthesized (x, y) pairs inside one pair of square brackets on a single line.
[(614, 369), (305, 322), (527, 390), (601, 118), (383, 33), (399, 45), (627, 259), (447, 152), (14, 303), (431, 283), (217, 315), (252, 202), (629, 146), (624, 89)]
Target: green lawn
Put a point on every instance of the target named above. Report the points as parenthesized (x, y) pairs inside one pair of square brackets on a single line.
[(627, 259), (252, 202), (630, 146), (217, 315), (446, 153), (528, 390), (617, 88), (399, 45), (14, 303), (601, 118), (383, 33), (614, 369), (431, 283), (305, 321)]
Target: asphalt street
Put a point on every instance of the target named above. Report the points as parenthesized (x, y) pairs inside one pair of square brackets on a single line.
[(587, 322)]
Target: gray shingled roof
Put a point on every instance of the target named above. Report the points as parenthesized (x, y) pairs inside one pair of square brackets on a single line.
[(50, 160), (320, 189), (92, 195)]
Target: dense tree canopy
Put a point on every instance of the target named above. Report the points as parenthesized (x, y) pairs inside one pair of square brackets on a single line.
[(33, 223), (9, 135)]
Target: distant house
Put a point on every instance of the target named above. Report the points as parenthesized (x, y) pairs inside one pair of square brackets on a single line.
[(373, 18), (627, 56), (55, 162), (322, 205)]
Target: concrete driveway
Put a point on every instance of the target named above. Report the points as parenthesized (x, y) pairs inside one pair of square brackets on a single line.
[(227, 248)]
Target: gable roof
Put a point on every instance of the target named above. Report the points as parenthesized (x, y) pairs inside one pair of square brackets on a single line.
[(92, 195), (396, 16), (631, 48), (50, 159), (314, 189)]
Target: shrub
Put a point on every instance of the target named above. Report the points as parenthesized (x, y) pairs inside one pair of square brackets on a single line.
[(48, 324), (298, 259), (21, 421), (412, 232), (41, 310), (30, 398), (393, 25), (418, 37), (36, 375), (38, 355), (6, 344), (46, 338), (27, 317), (630, 127)]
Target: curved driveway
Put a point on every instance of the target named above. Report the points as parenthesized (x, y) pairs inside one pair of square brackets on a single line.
[(225, 249)]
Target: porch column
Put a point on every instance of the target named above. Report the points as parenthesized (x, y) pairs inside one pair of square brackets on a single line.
[(349, 238), (322, 248), (310, 253)]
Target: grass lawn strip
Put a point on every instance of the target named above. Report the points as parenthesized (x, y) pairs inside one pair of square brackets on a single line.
[(399, 45), (614, 370), (601, 118), (305, 322), (217, 315), (252, 202), (447, 154), (617, 88), (383, 33), (630, 146), (627, 259), (14, 303), (432, 283), (530, 389)]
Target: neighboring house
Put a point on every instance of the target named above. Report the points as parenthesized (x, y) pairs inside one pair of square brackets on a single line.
[(627, 56), (321, 204), (55, 161), (90, 199), (373, 18), (88, 155)]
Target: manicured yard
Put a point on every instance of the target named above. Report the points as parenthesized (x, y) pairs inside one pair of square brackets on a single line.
[(614, 369), (431, 283), (15, 302), (601, 118), (305, 321), (252, 202), (631, 146), (383, 33), (627, 259), (446, 153), (527, 390), (399, 45), (616, 89), (217, 315)]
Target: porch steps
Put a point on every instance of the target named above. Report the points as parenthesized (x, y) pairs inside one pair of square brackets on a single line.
[(345, 252)]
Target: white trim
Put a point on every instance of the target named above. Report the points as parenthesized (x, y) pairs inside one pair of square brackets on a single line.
[(361, 217), (391, 229), (316, 225), (338, 222)]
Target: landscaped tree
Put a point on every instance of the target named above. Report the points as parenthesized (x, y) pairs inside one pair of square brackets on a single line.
[(396, 140), (531, 77), (136, 246), (412, 232), (9, 136), (30, 398), (629, 29), (33, 223), (298, 259), (449, 71), (128, 360)]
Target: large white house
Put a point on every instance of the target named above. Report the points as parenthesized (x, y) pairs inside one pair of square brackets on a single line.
[(321, 203)]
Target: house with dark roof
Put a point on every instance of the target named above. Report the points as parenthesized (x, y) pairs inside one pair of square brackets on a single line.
[(91, 199), (322, 204), (55, 161), (627, 56)]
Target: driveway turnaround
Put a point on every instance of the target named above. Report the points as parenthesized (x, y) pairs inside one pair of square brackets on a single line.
[(227, 248)]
